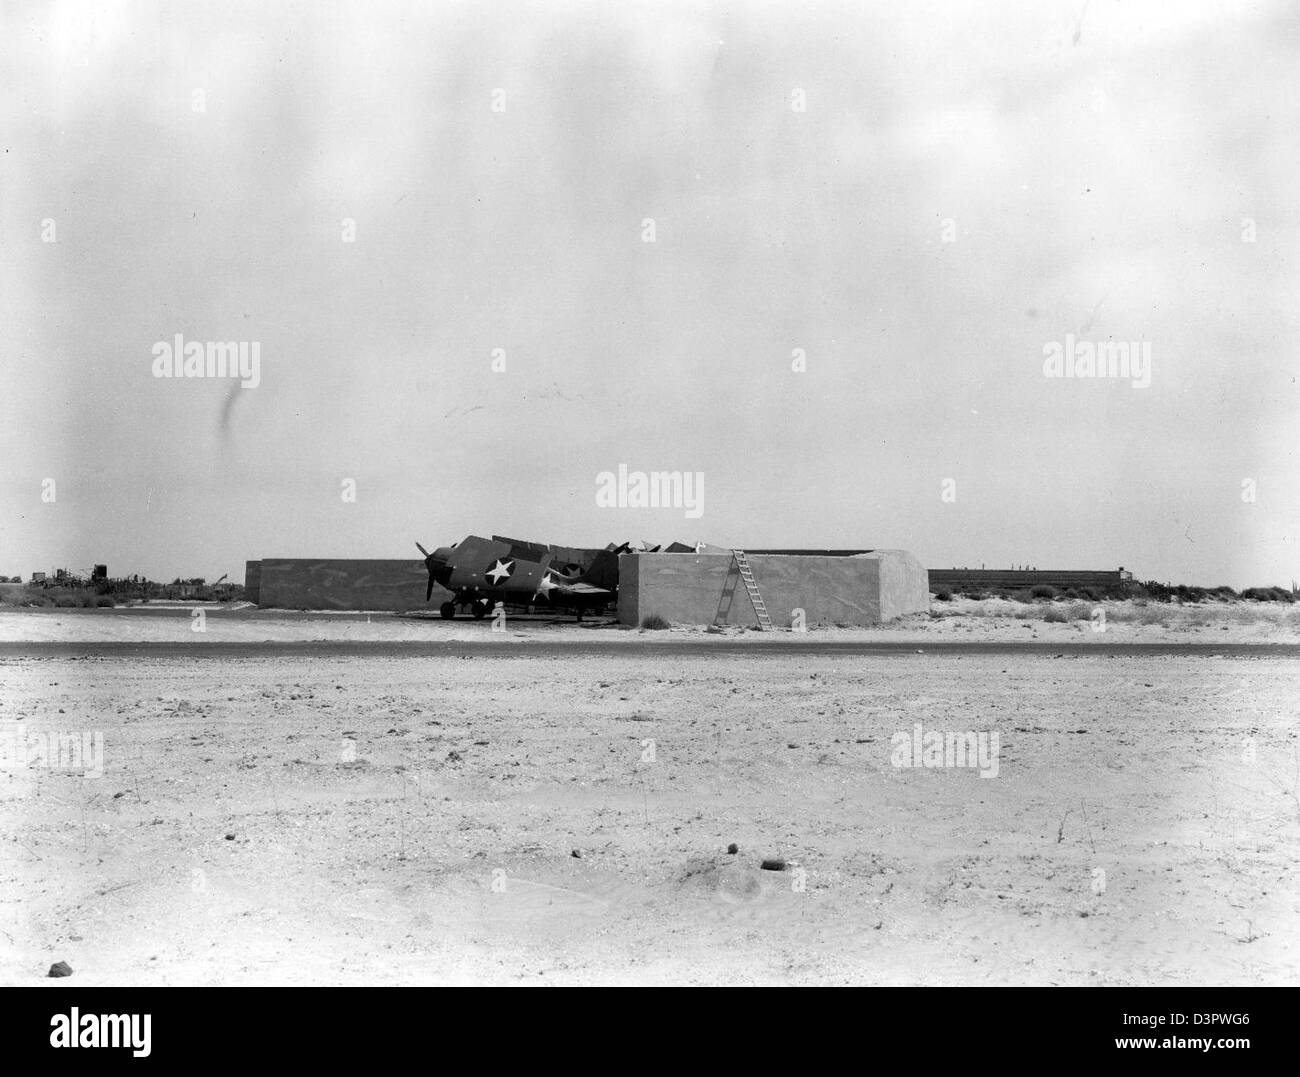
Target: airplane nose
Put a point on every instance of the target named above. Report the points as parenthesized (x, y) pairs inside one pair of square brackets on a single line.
[(439, 563)]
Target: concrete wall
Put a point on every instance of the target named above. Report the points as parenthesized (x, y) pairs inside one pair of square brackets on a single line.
[(304, 584), (904, 583), (706, 588), (685, 588), (989, 578), (252, 580)]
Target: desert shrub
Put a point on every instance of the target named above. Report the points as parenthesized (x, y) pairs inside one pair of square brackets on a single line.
[(1020, 594), (976, 595), (70, 598), (1268, 594), (655, 623), (1042, 590), (102, 601), (1056, 615), (943, 595)]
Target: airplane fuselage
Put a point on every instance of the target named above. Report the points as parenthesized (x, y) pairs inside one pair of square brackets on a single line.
[(480, 573)]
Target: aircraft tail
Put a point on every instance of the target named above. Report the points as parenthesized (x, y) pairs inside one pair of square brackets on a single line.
[(604, 569)]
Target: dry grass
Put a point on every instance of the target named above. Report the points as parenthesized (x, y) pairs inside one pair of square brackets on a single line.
[(29, 596), (1172, 615)]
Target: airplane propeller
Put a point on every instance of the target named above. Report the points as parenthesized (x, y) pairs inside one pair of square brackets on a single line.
[(428, 563)]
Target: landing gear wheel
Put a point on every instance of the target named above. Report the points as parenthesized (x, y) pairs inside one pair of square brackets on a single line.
[(448, 610), (481, 607)]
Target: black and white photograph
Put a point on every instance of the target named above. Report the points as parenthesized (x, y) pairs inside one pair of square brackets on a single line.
[(702, 493)]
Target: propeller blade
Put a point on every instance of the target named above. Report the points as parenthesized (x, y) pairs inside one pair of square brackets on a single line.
[(428, 591), (422, 549)]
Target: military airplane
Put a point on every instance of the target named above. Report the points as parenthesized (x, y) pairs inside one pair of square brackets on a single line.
[(481, 572)]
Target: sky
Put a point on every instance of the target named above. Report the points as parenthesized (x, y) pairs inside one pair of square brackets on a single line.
[(816, 253)]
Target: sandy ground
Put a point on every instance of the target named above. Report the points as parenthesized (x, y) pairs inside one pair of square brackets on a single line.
[(413, 820)]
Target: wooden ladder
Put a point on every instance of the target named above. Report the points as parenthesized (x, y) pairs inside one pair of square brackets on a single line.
[(747, 575)]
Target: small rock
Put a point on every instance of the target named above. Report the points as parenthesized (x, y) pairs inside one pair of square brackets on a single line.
[(454, 756), (59, 968), (733, 848), (230, 837), (576, 854), (773, 865)]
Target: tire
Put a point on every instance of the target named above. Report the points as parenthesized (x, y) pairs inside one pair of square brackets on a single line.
[(448, 610), (481, 607)]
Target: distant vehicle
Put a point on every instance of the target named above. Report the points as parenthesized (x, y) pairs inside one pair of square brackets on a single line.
[(481, 572)]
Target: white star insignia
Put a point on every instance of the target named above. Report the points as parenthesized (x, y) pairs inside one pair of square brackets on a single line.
[(499, 571), (546, 586)]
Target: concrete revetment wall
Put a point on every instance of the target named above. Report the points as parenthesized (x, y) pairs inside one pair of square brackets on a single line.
[(297, 583), (706, 588), (252, 580)]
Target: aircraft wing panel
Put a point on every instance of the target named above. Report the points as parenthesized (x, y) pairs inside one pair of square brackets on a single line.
[(582, 589), (474, 549)]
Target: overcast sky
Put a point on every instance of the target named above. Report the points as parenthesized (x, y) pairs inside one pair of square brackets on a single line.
[(963, 186)]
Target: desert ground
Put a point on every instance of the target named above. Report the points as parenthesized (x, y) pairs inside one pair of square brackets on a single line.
[(526, 815)]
